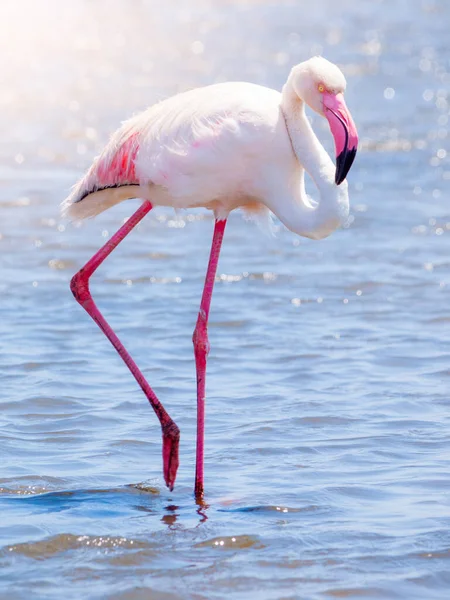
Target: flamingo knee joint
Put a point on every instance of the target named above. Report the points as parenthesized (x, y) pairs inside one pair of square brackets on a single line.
[(79, 286)]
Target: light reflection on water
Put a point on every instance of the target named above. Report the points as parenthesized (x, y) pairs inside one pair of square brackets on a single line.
[(327, 416)]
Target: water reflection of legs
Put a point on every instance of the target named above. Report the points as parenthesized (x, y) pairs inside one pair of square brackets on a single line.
[(170, 518), (201, 510), (172, 514)]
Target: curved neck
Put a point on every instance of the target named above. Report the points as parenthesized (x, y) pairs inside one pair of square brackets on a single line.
[(305, 216)]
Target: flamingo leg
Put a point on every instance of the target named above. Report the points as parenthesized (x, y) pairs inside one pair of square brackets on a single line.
[(201, 349), (80, 289)]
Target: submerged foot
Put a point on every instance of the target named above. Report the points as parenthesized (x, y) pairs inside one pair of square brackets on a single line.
[(171, 442)]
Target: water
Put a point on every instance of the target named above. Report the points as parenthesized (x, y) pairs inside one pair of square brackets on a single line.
[(327, 442)]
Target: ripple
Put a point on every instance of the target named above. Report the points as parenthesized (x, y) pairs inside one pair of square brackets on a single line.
[(239, 542), (358, 592), (29, 485), (270, 508), (45, 549), (106, 503), (138, 280)]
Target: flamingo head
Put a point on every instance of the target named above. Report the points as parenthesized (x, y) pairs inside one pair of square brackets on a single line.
[(321, 85)]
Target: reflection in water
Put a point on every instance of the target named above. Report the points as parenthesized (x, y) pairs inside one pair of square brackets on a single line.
[(202, 509), (171, 518)]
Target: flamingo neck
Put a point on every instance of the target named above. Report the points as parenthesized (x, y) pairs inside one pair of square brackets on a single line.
[(307, 217)]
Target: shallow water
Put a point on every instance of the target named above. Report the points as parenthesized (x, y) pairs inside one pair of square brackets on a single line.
[(327, 442)]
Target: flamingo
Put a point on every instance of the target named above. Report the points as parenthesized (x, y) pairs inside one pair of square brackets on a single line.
[(222, 147)]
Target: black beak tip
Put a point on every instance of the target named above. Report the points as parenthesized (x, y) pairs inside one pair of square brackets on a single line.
[(343, 163), (338, 179)]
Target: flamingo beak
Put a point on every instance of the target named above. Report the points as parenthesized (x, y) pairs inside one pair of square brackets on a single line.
[(344, 132)]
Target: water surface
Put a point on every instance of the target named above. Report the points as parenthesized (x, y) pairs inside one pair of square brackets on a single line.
[(327, 441)]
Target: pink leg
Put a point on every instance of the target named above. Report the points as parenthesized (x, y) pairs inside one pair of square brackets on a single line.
[(80, 289), (201, 350)]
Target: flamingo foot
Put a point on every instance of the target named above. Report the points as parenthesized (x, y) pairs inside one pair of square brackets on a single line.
[(171, 442)]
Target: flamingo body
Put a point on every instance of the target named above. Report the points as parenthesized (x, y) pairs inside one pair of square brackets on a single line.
[(221, 147)]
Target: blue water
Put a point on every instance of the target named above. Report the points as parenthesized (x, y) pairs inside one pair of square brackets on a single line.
[(327, 437)]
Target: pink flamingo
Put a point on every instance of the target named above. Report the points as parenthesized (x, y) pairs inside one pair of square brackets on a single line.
[(221, 147)]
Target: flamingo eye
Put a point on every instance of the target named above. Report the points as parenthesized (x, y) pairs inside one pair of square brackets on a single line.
[(321, 88)]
